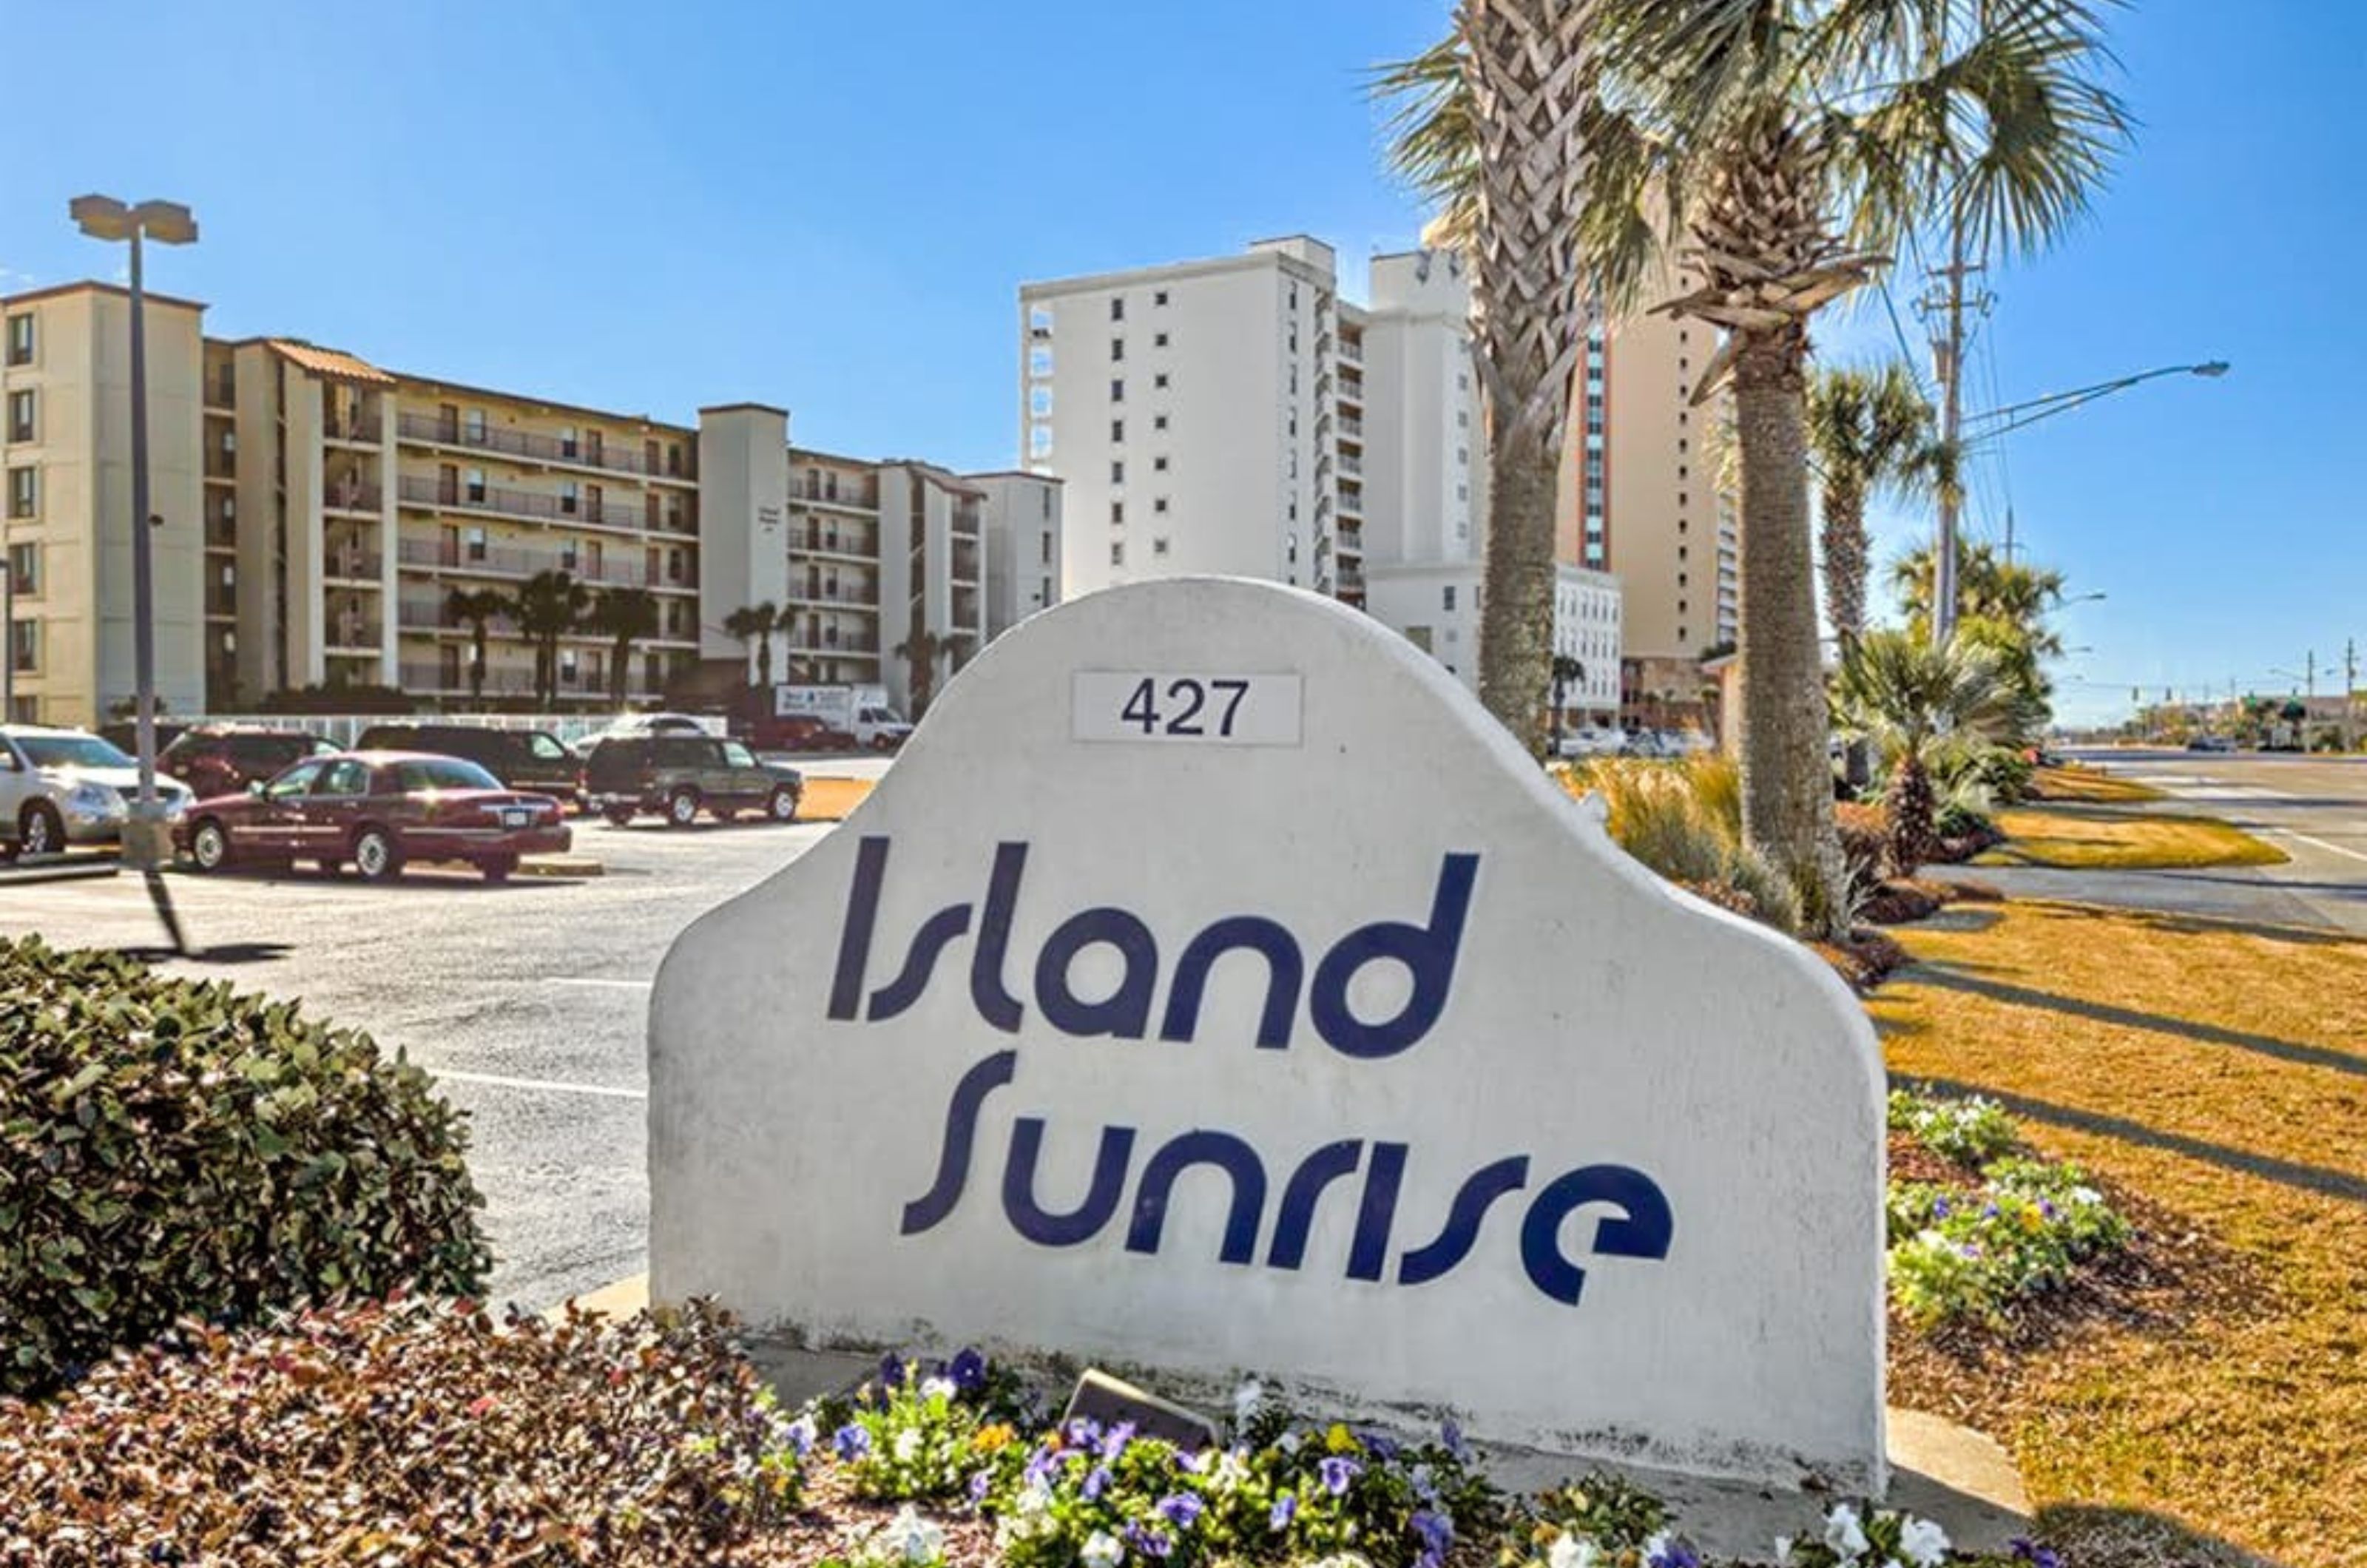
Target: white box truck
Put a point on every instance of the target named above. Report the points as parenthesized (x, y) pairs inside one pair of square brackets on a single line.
[(861, 712)]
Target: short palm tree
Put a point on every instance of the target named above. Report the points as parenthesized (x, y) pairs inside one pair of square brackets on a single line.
[(1491, 125), (1915, 702), (1567, 671), (477, 609), (1774, 152), (548, 605), (921, 651), (625, 616), (753, 626)]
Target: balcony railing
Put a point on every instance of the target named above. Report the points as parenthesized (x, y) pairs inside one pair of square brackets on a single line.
[(355, 635), (369, 428), (1351, 465), (421, 492), (352, 495), (221, 391), (1353, 387), (220, 465), (616, 457), (496, 560), (831, 641), (867, 598), (222, 533), (821, 541), (221, 600), (352, 564), (866, 496)]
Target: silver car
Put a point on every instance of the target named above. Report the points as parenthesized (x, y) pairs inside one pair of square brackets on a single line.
[(67, 787)]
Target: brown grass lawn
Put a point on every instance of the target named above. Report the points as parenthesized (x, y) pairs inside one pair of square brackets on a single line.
[(2218, 1071), (2109, 838), (2090, 784), (829, 800)]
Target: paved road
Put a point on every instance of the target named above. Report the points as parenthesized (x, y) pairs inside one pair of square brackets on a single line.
[(2313, 809), (528, 1001)]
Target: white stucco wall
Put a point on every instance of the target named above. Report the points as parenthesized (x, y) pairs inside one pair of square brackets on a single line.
[(1586, 1016)]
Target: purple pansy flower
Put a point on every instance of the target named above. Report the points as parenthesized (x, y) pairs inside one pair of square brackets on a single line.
[(1451, 1434), (1437, 1530), (2030, 1551), (979, 1484), (851, 1442), (1149, 1542), (1675, 1554), (966, 1370), (1181, 1509), (1096, 1482), (1284, 1509), (1113, 1442), (1337, 1473)]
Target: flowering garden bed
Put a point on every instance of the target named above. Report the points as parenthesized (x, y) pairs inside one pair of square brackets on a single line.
[(428, 1434)]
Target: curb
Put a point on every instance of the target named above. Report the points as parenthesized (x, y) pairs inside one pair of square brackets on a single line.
[(560, 865), (21, 874)]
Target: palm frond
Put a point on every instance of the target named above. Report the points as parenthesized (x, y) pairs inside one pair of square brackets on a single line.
[(1433, 132)]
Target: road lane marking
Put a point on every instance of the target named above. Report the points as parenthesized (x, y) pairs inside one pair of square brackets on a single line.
[(2313, 843), (549, 1086)]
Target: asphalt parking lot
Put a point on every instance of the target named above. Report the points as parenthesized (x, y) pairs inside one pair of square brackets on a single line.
[(527, 1000)]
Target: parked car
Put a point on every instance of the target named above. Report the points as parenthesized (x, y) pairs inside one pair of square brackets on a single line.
[(522, 759), (799, 732), (123, 734), (681, 775), (223, 759), (2212, 743), (376, 811), (68, 786), (1593, 740)]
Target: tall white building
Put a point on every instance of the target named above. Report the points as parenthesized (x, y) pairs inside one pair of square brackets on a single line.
[(1235, 416), (1022, 519)]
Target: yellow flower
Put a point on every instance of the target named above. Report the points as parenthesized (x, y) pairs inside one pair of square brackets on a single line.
[(990, 1439), (1339, 1439)]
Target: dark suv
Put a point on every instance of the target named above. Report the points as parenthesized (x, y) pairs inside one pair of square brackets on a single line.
[(224, 760), (527, 760), (681, 775)]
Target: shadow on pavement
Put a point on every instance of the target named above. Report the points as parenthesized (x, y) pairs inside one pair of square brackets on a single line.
[(227, 953)]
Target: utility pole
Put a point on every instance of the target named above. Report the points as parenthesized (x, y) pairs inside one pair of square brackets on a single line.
[(1947, 301)]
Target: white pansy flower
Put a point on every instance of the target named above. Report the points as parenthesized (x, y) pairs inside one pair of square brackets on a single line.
[(1230, 1471), (907, 1445), (1844, 1534), (1103, 1551), (938, 1388), (1782, 1551), (1923, 1543), (1573, 1552), (1034, 1498), (912, 1538)]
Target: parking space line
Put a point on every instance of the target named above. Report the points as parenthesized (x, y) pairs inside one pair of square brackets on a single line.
[(548, 1086), (2313, 843)]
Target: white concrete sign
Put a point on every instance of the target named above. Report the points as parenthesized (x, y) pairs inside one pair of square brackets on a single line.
[(1333, 1043)]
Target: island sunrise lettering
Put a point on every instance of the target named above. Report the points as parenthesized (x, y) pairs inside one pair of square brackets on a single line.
[(1635, 1221)]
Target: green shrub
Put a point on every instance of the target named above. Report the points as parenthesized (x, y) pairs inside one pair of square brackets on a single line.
[(1958, 1253), (1683, 819), (171, 1150), (413, 1433), (1970, 1131)]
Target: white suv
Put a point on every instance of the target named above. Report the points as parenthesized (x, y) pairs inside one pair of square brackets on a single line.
[(68, 786)]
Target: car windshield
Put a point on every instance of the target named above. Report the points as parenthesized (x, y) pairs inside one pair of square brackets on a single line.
[(545, 747), (419, 773), (71, 751)]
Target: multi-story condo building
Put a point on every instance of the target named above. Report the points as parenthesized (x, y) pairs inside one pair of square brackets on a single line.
[(65, 456), (1023, 513), (1285, 433), (319, 514)]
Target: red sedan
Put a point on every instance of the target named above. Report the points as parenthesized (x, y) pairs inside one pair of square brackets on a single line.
[(375, 811)]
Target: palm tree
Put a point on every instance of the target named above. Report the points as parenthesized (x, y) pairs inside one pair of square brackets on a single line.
[(1566, 669), (548, 605), (2002, 606), (1869, 431), (624, 615), (1491, 124), (755, 624), (920, 651), (1916, 700), (479, 609)]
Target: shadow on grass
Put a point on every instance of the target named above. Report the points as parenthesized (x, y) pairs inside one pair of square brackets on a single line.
[(2316, 1179), (2096, 1537), (1951, 978), (2219, 925)]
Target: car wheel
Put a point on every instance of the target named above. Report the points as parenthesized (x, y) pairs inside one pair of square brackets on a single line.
[(497, 868), (619, 816), (681, 808), (40, 831), (209, 845), (376, 856), (782, 805)]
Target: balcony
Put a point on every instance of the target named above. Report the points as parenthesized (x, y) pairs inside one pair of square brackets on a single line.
[(351, 494), (221, 391), (866, 598), (965, 563), (351, 563), (585, 452), (1352, 389), (416, 491), (495, 560), (363, 429), (356, 634), (1355, 465), (1352, 350), (220, 465), (1352, 504), (853, 496), (1352, 578), (221, 600), (832, 639), (221, 532), (1351, 428), (831, 542)]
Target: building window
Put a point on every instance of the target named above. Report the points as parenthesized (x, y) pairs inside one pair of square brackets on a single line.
[(1160, 297), (20, 415), (23, 492), (1158, 422), (1118, 390), (1158, 545), (25, 646), (1039, 320), (1159, 464), (1039, 440), (1117, 510), (474, 484), (568, 496), (20, 338), (1118, 348), (567, 554), (1117, 430), (1446, 597), (570, 666), (1117, 309), (1159, 504), (1117, 552), (568, 441), (1158, 382), (474, 431), (1044, 549), (1160, 341), (1039, 361), (1117, 473), (473, 541), (1039, 402), (25, 570)]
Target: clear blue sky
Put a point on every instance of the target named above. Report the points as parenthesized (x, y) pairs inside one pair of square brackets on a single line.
[(830, 208)]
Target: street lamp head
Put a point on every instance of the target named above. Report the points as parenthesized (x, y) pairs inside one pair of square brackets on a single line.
[(2211, 368), (169, 223), (103, 218)]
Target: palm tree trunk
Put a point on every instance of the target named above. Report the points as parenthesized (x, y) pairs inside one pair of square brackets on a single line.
[(1516, 617), (1787, 791), (1845, 550)]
